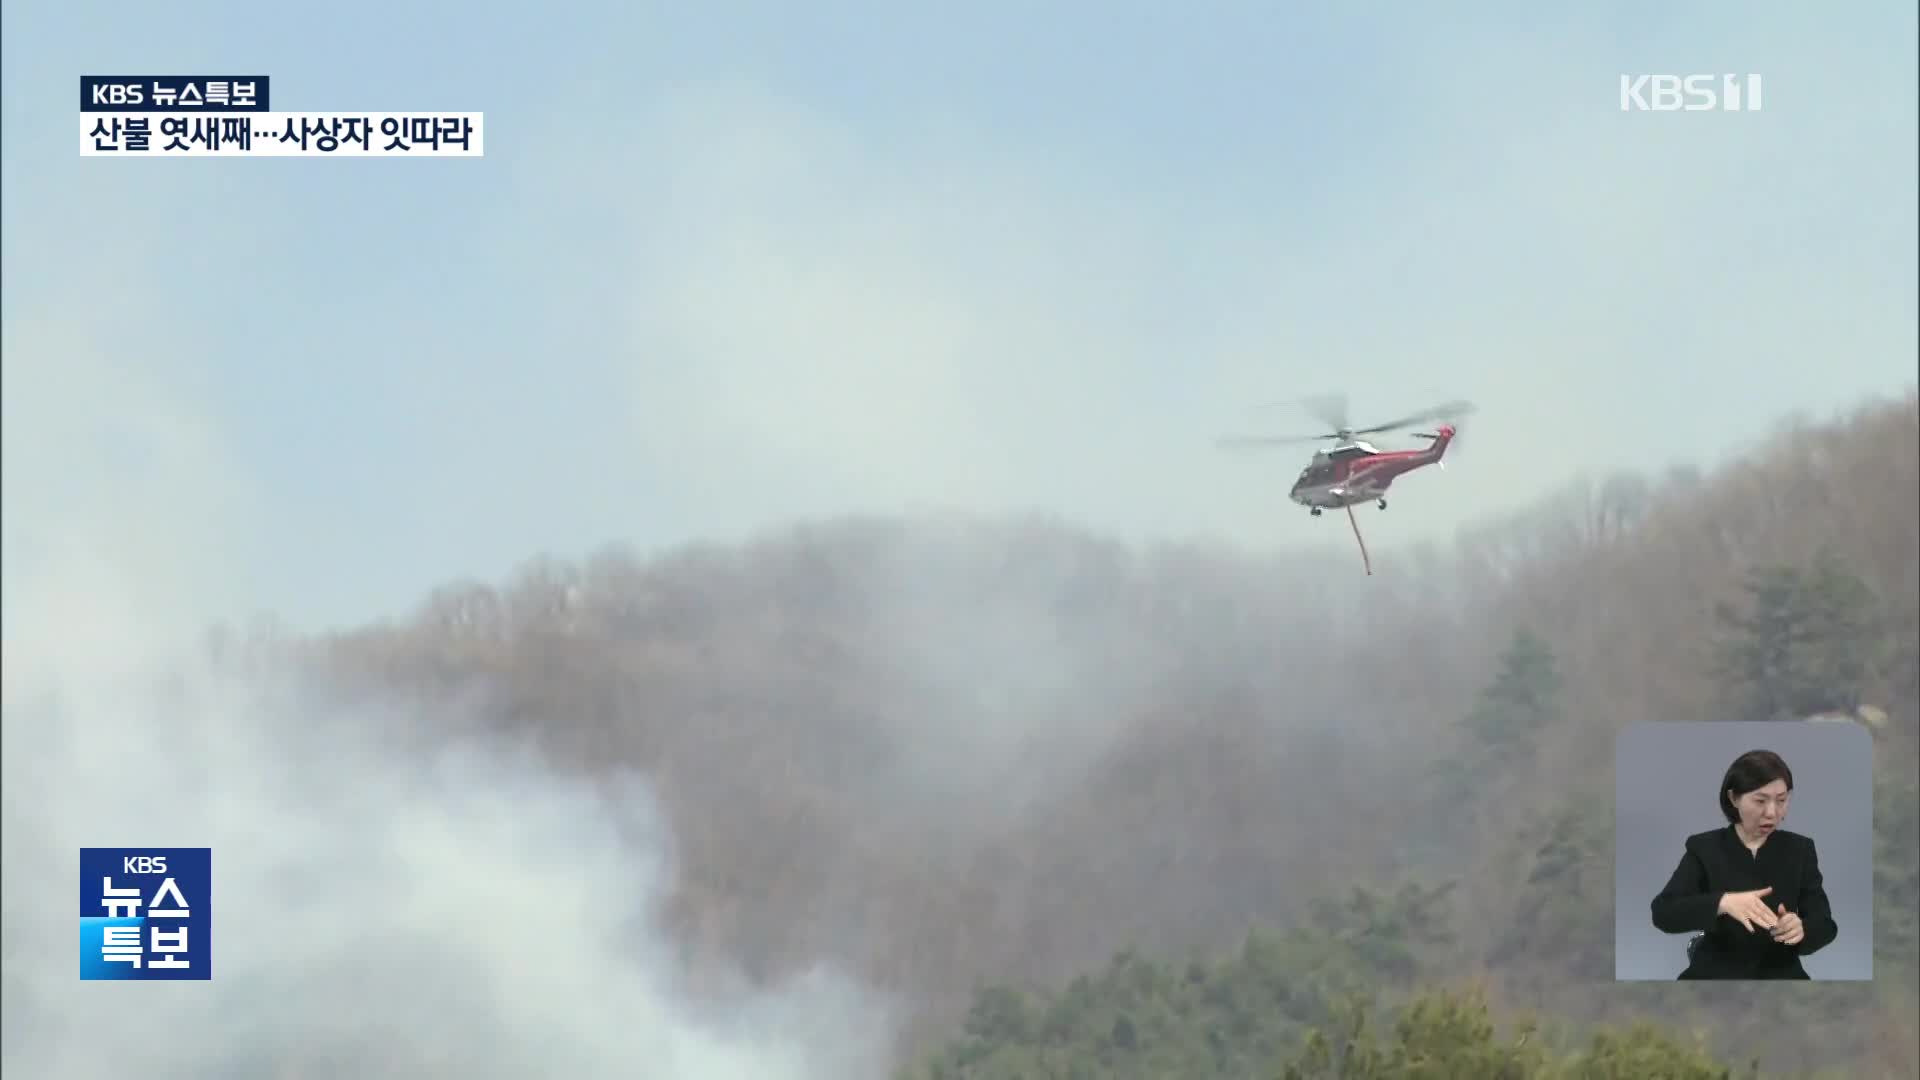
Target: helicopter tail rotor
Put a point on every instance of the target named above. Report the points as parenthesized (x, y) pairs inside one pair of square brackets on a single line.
[(1447, 431)]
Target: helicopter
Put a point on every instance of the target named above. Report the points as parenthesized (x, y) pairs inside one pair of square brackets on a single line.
[(1354, 471)]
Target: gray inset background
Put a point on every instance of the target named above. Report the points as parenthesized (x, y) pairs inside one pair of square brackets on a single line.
[(1665, 779)]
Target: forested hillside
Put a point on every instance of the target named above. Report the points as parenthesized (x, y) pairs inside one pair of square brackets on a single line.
[(973, 762), (1297, 1007)]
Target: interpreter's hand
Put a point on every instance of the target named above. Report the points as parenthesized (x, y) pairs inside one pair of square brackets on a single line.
[(1749, 908), (1788, 930)]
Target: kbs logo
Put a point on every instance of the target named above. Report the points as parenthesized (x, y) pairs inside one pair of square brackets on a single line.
[(1689, 93), (117, 94)]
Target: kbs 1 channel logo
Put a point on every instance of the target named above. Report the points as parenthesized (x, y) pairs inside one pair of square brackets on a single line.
[(1690, 93), (231, 116), (146, 913)]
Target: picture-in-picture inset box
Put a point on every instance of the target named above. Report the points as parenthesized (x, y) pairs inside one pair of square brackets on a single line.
[(1743, 851)]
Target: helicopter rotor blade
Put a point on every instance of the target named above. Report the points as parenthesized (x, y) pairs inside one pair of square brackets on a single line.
[(1260, 442), (1450, 409), (1329, 409)]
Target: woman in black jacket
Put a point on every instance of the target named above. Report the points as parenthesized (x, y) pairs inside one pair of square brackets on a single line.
[(1752, 890)]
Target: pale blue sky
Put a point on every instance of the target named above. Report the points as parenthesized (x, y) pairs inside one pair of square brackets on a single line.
[(725, 266)]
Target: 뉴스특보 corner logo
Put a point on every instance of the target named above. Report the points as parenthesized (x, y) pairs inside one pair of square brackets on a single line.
[(146, 913)]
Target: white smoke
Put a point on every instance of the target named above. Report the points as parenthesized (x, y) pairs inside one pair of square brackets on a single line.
[(388, 899), (381, 908)]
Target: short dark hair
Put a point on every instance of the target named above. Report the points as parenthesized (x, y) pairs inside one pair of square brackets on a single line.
[(1751, 771)]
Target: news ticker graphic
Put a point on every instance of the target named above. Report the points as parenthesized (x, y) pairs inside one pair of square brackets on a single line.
[(146, 913), (281, 134), (228, 116)]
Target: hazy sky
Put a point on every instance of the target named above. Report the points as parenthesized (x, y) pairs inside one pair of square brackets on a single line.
[(725, 265)]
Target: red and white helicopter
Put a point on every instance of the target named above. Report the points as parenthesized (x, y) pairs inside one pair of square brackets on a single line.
[(1354, 471)]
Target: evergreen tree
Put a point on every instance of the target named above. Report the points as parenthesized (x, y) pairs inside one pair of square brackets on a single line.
[(1522, 699), (1560, 871), (1804, 644), (1498, 734)]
